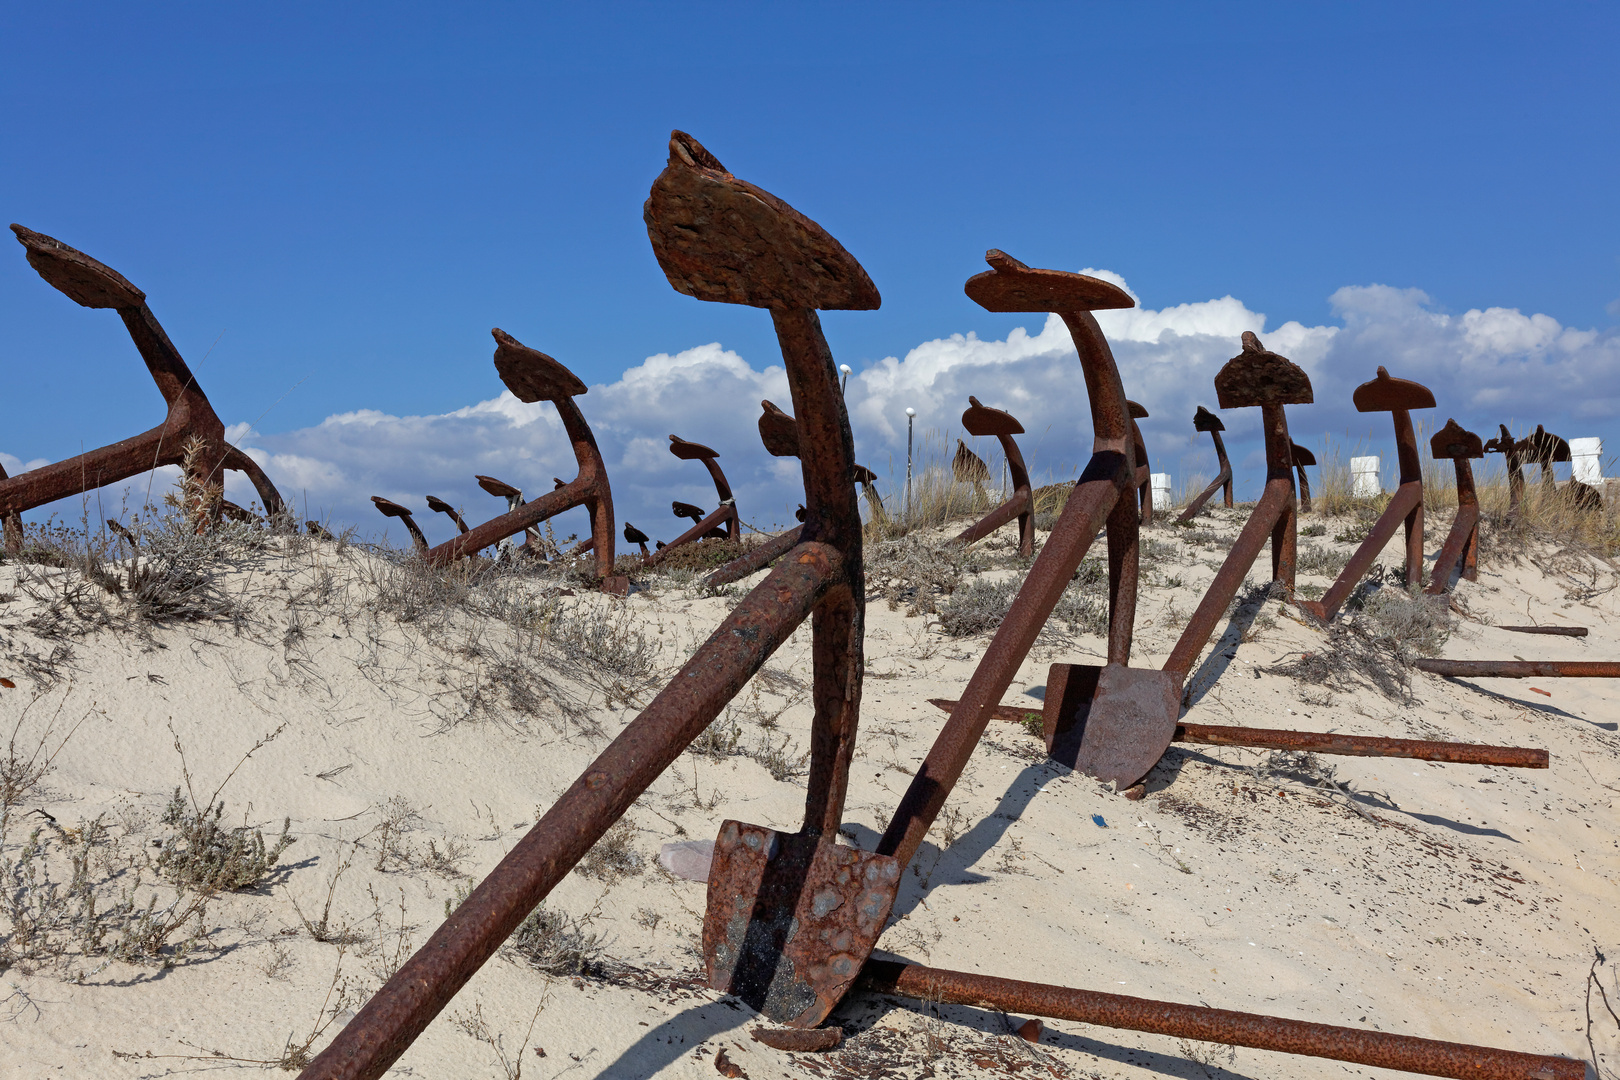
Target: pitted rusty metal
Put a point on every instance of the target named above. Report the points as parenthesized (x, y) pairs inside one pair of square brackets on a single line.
[(1381, 1049), (93, 284), (982, 421), (533, 376), (1204, 420), (779, 432), (1462, 542), (1132, 714), (1506, 445), (764, 944), (1520, 669), (1398, 397), (1069, 688), (1100, 498), (703, 223)]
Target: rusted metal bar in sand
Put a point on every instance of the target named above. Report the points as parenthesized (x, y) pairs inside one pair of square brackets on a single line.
[(1398, 397), (1521, 669), (1561, 631), (1430, 1057), (92, 284), (1317, 742)]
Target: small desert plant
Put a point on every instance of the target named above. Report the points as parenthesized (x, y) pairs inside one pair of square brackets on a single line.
[(614, 857), (1319, 560), (206, 856), (557, 944)]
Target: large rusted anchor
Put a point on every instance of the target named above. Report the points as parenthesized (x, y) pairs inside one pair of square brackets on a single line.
[(1543, 448), (1204, 420), (1397, 396), (95, 285), (1462, 542), (805, 911), (533, 376), (981, 421), (722, 523)]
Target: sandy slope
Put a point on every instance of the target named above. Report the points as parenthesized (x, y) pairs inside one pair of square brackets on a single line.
[(1449, 901)]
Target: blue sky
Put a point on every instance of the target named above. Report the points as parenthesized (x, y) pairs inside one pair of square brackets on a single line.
[(334, 205)]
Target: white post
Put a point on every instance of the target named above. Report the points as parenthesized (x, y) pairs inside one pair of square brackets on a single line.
[(1365, 483), (843, 383), (1161, 490), (1586, 461), (911, 416)]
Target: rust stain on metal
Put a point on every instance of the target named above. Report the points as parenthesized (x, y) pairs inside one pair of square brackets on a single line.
[(799, 1040), (1561, 631), (1430, 1057), (1385, 393), (791, 918), (93, 284), (723, 523)]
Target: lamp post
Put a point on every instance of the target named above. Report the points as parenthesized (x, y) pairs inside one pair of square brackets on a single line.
[(911, 416), (843, 383)]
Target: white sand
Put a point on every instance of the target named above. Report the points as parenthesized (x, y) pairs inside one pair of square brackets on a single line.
[(1462, 903)]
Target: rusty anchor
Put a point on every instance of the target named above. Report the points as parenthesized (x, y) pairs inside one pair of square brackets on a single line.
[(723, 523), (1462, 542), (1130, 714), (1101, 498), (92, 284), (701, 220), (1506, 445), (1204, 420), (982, 421), (1542, 448), (403, 513), (1302, 458), (533, 376), (1399, 397)]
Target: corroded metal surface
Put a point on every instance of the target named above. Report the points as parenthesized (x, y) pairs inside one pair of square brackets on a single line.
[(1521, 669), (1204, 420), (1381, 1049), (1506, 445), (1134, 712), (799, 1040), (1561, 631), (981, 420), (1071, 709), (1099, 499), (1144, 468), (791, 917), (968, 467), (1462, 542), (1302, 458), (696, 213), (1384, 393), (93, 284), (438, 505)]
